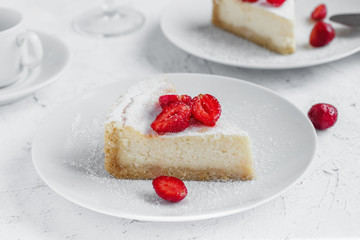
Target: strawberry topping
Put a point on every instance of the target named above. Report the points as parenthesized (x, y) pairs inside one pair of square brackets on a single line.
[(174, 118), (323, 115), (206, 109), (170, 188), (167, 99), (276, 3), (319, 12), (322, 34)]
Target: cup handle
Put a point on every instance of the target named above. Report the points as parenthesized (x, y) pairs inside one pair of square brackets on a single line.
[(33, 48)]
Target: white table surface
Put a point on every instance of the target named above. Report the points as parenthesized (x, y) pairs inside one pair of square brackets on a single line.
[(325, 203)]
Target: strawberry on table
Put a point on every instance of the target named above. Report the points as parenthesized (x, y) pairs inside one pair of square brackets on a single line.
[(323, 115), (170, 188)]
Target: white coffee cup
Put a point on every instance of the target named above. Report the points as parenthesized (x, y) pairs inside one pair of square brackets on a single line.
[(20, 50)]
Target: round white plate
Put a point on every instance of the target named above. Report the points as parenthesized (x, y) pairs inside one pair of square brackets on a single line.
[(68, 153), (55, 60), (187, 24)]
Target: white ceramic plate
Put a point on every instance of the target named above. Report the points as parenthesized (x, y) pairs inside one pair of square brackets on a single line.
[(68, 153), (55, 60), (187, 24)]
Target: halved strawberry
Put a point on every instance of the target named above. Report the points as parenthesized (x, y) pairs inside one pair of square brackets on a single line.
[(174, 118), (319, 12), (276, 3), (322, 34), (206, 109), (170, 188), (167, 99)]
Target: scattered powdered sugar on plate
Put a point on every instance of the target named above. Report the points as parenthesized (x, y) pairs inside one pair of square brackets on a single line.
[(216, 44), (90, 136), (88, 160), (84, 153), (81, 175), (265, 147), (72, 163)]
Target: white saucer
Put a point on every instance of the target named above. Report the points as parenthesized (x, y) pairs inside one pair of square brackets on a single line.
[(70, 156), (55, 60), (187, 24)]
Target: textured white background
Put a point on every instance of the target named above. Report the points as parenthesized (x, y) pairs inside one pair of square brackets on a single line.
[(325, 203)]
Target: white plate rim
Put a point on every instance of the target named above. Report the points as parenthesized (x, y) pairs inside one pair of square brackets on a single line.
[(174, 40), (187, 218), (14, 95)]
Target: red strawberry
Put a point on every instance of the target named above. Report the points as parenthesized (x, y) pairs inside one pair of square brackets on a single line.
[(250, 0), (206, 109), (322, 34), (170, 188), (319, 12), (276, 3), (186, 99), (167, 99), (323, 115), (174, 118)]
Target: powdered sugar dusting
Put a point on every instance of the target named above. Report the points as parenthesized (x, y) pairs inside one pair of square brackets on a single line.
[(89, 135), (83, 159), (139, 106), (89, 161)]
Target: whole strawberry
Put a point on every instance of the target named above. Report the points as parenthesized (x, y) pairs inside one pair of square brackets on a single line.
[(322, 34), (323, 115), (319, 13)]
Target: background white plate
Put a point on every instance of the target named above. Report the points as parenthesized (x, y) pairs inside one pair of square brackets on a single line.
[(55, 60), (68, 153), (187, 24)]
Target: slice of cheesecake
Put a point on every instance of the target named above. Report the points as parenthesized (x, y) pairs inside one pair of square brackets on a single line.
[(260, 22), (134, 151)]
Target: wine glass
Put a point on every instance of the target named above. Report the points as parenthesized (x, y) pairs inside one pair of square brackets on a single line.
[(109, 20)]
